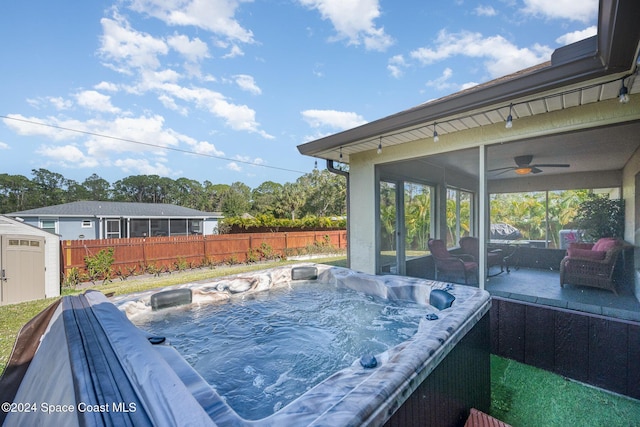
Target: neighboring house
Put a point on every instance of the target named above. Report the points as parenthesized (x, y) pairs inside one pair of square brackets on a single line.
[(107, 220), (563, 112)]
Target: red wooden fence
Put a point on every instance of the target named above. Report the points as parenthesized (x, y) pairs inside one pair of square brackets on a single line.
[(166, 252)]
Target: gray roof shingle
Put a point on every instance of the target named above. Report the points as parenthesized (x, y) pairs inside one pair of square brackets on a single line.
[(119, 209)]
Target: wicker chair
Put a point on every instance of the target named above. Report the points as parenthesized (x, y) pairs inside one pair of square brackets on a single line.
[(588, 264), (471, 246), (452, 266)]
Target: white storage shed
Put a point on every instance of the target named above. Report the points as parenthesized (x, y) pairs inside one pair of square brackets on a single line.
[(29, 262)]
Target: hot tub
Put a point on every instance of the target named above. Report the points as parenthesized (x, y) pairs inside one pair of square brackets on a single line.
[(94, 360)]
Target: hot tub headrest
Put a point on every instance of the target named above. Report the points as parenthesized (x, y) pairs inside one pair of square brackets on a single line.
[(170, 298), (441, 299), (304, 273)]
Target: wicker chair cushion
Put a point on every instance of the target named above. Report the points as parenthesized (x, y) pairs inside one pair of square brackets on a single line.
[(605, 244), (586, 254)]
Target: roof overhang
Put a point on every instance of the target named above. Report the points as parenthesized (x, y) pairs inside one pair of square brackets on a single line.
[(585, 72)]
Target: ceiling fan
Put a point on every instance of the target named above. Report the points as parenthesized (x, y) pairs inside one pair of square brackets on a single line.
[(524, 166)]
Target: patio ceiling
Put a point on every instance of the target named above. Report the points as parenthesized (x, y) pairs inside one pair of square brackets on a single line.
[(590, 150)]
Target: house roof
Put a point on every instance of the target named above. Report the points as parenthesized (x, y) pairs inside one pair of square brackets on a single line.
[(585, 72), (13, 226), (115, 209)]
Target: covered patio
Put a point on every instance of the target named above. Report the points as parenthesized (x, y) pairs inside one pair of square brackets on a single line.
[(541, 287), (436, 170), (565, 117)]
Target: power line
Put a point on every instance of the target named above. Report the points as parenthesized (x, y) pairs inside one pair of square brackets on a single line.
[(148, 144)]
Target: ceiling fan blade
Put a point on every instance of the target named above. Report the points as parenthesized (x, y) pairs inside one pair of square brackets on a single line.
[(502, 169), (534, 169), (551, 165)]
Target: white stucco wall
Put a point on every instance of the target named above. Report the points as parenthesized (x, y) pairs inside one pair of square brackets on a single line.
[(362, 220)]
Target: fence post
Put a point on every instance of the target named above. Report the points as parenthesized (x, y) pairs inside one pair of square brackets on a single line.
[(144, 253), (205, 259)]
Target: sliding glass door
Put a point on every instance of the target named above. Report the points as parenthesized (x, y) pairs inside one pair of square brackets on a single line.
[(405, 224), (388, 229)]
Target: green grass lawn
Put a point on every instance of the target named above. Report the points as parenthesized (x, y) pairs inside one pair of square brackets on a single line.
[(524, 396), (521, 395)]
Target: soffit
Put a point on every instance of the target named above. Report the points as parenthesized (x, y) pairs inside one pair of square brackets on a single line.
[(552, 101)]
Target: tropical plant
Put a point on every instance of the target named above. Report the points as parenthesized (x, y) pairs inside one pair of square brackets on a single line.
[(600, 216)]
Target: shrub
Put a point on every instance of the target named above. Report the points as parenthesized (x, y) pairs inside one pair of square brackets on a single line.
[(99, 265), (599, 216), (270, 223), (74, 278)]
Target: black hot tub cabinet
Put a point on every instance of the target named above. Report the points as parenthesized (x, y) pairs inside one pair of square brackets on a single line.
[(95, 363)]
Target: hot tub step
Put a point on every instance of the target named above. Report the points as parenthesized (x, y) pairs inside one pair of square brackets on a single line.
[(480, 419)]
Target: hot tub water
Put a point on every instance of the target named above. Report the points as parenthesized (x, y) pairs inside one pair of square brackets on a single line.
[(262, 351)]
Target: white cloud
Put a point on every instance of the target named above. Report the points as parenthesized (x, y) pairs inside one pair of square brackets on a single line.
[(246, 82), (233, 166), (577, 36), (4, 146), (354, 21), (96, 101), (149, 131), (583, 10), (34, 102), (143, 167), (502, 57), (317, 70), (202, 147), (171, 104), (217, 16), (133, 51), (145, 135), (193, 50), (247, 159), (442, 82), (29, 126), (106, 86), (335, 119), (129, 48), (60, 103), (396, 66), (238, 117), (235, 51), (69, 156), (150, 80), (485, 11), (468, 85)]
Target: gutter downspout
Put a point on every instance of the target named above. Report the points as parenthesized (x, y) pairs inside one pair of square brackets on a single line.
[(331, 168)]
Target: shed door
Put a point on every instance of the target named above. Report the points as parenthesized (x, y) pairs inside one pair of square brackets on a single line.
[(21, 268)]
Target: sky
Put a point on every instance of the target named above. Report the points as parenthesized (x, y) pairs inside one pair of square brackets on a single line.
[(225, 90)]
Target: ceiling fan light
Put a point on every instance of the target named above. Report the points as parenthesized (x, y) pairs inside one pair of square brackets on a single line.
[(523, 171)]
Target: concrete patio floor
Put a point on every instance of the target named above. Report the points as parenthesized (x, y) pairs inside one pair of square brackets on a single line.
[(543, 287)]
